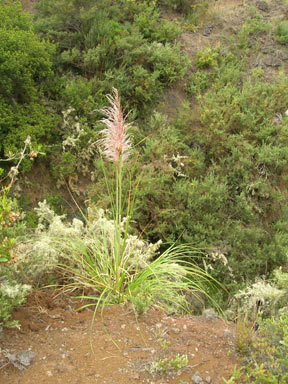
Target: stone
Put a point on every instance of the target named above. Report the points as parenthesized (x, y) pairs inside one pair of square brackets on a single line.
[(197, 379), (272, 61), (228, 333), (262, 5), (208, 29), (209, 314), (21, 360)]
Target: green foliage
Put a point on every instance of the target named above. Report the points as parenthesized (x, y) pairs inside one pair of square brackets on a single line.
[(21, 120), (199, 82), (121, 43), (141, 303), (281, 32), (253, 27), (264, 351), (268, 354), (235, 377), (216, 177), (163, 365), (25, 65), (194, 11), (8, 215), (228, 69), (207, 58), (12, 293), (183, 6)]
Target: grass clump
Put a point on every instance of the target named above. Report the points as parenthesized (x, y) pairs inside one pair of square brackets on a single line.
[(114, 265), (161, 366), (99, 255)]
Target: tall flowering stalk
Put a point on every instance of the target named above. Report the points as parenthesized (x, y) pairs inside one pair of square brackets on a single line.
[(116, 142), (116, 146)]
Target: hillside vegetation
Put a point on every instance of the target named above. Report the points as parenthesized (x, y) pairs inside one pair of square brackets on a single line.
[(209, 107)]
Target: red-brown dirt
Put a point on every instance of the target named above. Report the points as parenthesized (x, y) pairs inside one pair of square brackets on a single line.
[(118, 349)]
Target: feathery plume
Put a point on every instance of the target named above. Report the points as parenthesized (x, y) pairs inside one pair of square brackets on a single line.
[(116, 142)]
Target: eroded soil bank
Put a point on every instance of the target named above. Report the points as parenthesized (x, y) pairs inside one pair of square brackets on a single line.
[(119, 348)]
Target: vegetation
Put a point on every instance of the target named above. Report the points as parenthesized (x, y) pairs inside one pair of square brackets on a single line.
[(163, 365), (25, 71), (281, 32), (212, 175)]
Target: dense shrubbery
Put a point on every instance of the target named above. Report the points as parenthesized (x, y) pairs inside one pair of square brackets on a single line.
[(124, 44), (218, 181), (25, 66)]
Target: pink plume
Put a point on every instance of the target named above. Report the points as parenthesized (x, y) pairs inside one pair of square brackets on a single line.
[(116, 142)]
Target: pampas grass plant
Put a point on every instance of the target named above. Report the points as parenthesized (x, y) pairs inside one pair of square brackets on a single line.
[(104, 269)]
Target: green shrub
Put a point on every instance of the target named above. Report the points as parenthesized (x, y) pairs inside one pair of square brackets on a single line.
[(183, 6), (194, 11), (25, 65), (9, 214), (168, 364), (253, 27), (225, 170), (281, 32), (268, 356), (207, 58), (199, 82), (21, 120), (125, 44)]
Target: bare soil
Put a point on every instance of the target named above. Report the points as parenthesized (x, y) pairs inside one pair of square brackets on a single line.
[(117, 348)]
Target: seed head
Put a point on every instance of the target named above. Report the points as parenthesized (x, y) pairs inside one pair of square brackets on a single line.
[(116, 142)]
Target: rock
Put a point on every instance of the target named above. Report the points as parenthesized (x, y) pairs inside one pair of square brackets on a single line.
[(272, 61), (208, 380), (228, 333), (209, 314), (284, 57), (266, 50), (208, 29), (21, 360), (175, 330), (262, 5), (26, 357), (197, 379)]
